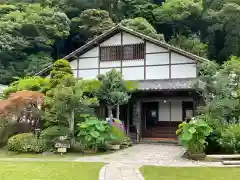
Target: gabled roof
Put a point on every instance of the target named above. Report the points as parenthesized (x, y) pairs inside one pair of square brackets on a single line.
[(113, 31)]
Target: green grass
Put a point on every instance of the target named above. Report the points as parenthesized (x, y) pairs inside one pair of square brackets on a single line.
[(49, 171), (4, 153), (193, 173)]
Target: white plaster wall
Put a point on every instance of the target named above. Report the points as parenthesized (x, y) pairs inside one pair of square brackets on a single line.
[(94, 52), (114, 40), (104, 71), (74, 64), (133, 73), (157, 72), (164, 111), (177, 58), (88, 63), (88, 74), (152, 48), (75, 73), (161, 58), (110, 64), (183, 71), (176, 110), (137, 62), (129, 39)]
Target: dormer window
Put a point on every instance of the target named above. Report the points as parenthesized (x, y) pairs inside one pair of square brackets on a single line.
[(125, 52)]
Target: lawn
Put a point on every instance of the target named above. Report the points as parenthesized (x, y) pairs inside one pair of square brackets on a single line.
[(193, 173), (49, 170), (4, 153)]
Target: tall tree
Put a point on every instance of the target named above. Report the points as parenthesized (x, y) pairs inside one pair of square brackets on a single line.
[(92, 23), (191, 44), (143, 26), (223, 23)]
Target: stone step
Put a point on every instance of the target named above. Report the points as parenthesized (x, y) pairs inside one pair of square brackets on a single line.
[(220, 157), (234, 162), (159, 140)]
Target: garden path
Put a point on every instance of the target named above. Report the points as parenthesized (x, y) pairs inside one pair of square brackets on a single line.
[(124, 164)]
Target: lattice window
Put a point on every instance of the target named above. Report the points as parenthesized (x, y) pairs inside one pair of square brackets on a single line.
[(126, 52)]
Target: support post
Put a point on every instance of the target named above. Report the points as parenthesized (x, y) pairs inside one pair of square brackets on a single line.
[(128, 118)]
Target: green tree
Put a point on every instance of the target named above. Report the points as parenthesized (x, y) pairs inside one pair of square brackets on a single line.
[(66, 104), (92, 23), (139, 8), (190, 44), (143, 26), (179, 16), (37, 62), (114, 91), (221, 89), (223, 23), (61, 70)]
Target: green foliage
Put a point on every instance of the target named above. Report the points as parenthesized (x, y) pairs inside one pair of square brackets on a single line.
[(92, 23), (126, 142), (141, 25), (190, 44), (139, 8), (118, 135), (51, 134), (27, 30), (7, 129), (193, 135), (28, 83), (221, 89), (222, 21), (94, 133), (33, 33), (37, 62), (113, 89), (26, 142), (175, 10), (230, 139)]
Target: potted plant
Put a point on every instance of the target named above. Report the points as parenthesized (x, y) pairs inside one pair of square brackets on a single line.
[(192, 135), (116, 138), (114, 144)]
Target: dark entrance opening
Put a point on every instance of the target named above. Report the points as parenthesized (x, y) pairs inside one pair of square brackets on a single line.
[(150, 114), (188, 110)]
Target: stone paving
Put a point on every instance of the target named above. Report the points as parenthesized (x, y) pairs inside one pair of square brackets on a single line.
[(125, 164)]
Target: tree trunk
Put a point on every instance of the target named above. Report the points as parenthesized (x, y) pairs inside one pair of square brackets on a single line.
[(71, 129), (110, 115), (118, 112)]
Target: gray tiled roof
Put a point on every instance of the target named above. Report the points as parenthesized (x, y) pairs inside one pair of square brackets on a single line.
[(168, 84)]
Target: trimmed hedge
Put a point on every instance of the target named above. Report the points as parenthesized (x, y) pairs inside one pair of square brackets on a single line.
[(7, 129), (26, 142)]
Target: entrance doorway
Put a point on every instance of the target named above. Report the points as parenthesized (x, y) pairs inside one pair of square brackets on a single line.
[(150, 110), (156, 120)]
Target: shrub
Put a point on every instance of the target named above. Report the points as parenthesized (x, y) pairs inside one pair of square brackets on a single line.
[(51, 134), (26, 142), (193, 135), (117, 135), (7, 129), (126, 142), (94, 133), (230, 139)]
